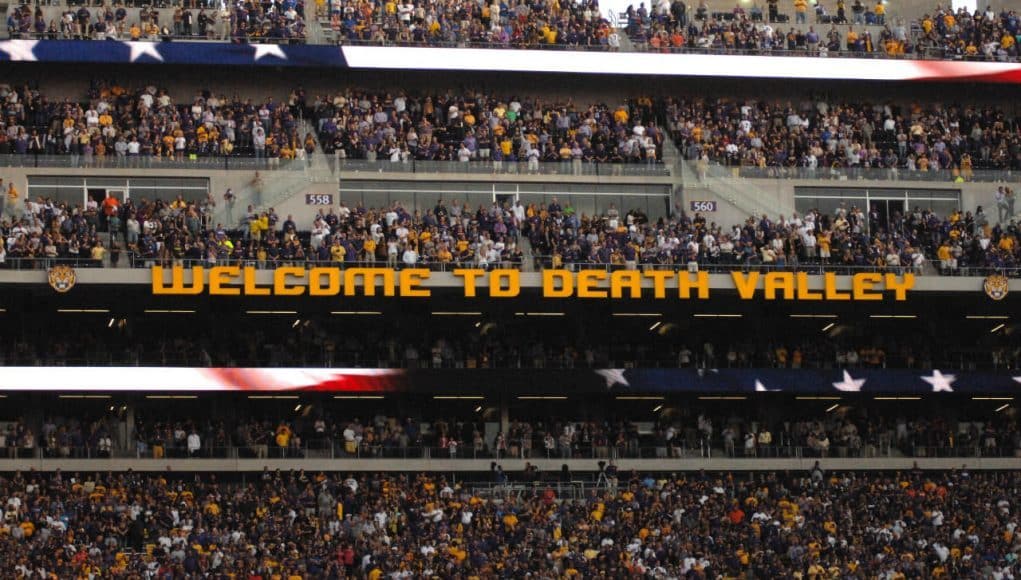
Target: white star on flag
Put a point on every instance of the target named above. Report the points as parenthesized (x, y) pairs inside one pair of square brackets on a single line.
[(262, 50), (940, 382), (761, 388), (613, 377), (19, 50), (140, 49), (849, 384)]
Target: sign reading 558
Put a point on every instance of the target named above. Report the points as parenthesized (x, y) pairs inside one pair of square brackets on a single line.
[(318, 199), (703, 206)]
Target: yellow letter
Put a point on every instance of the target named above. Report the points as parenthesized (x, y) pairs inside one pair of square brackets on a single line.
[(775, 280), (862, 284), (549, 284), (588, 281), (803, 291), (369, 277), (900, 290), (832, 293), (250, 288), (659, 278), (685, 284), (470, 275), (410, 279), (631, 279), (315, 287), (280, 287), (221, 275), (496, 278), (177, 281), (745, 284)]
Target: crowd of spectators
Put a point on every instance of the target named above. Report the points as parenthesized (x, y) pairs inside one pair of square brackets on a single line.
[(568, 24), (239, 21), (146, 123), (849, 238), (669, 27), (817, 135), (476, 127), (318, 343), (848, 430), (446, 236), (330, 525)]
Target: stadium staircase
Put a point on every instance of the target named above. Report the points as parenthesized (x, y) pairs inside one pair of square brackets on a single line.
[(719, 182)]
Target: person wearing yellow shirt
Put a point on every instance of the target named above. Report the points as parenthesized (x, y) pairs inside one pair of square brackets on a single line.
[(257, 226), (12, 196), (800, 11), (337, 251), (880, 12)]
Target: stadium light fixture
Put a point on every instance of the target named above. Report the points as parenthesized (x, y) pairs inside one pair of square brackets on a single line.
[(893, 316), (296, 323), (814, 398), (83, 310), (166, 311), (358, 396), (83, 396), (718, 315), (637, 314), (540, 314), (655, 325), (992, 398), (297, 407), (813, 316), (722, 398), (987, 317), (542, 398), (1003, 407), (447, 313), (639, 398), (478, 409), (897, 398), (272, 396), (997, 328), (832, 407), (829, 326), (355, 312), (458, 397), (657, 408), (271, 311)]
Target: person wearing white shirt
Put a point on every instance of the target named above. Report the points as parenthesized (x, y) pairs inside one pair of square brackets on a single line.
[(194, 444), (410, 257)]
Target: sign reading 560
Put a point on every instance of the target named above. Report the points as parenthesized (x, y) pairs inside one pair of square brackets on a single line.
[(703, 206)]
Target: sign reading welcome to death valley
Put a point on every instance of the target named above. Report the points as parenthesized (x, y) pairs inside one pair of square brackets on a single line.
[(329, 281)]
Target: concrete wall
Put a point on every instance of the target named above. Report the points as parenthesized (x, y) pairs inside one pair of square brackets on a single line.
[(777, 195)]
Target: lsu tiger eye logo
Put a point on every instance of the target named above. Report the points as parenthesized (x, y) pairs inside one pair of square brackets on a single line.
[(996, 286), (62, 278)]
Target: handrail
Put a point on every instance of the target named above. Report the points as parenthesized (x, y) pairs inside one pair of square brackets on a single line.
[(333, 165), (677, 449), (540, 262)]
